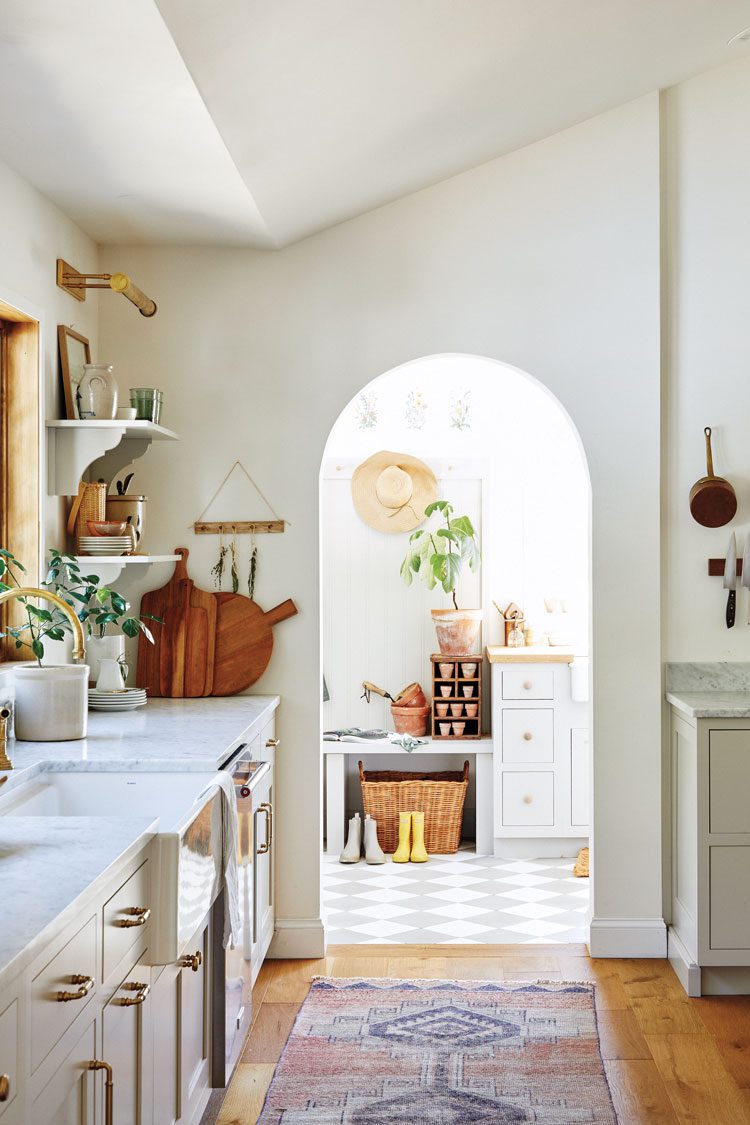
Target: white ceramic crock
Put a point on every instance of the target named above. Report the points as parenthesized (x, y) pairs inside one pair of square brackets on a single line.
[(51, 702)]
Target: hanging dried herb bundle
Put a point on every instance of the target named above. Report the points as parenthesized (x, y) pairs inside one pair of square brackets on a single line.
[(217, 570), (234, 571), (253, 570)]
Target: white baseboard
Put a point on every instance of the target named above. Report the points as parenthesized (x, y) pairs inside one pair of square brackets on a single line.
[(686, 970), (298, 939), (628, 937)]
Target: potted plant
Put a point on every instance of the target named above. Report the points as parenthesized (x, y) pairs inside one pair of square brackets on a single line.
[(437, 555), (104, 613), (51, 702)]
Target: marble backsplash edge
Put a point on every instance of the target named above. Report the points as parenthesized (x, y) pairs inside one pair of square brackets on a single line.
[(718, 676)]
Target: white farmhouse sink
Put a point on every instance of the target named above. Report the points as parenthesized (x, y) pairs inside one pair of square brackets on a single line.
[(186, 861)]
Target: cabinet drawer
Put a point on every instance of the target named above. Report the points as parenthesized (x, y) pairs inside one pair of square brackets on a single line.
[(528, 799), (528, 736), (730, 897), (50, 1016), (528, 683), (729, 774), (9, 1052), (122, 918)]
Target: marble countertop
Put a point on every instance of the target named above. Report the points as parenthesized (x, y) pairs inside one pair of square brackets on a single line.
[(711, 704), (50, 865)]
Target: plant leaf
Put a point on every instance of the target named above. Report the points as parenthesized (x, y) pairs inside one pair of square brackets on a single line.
[(37, 648), (436, 506)]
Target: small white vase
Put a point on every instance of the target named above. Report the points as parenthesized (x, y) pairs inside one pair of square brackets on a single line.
[(103, 648), (51, 702)]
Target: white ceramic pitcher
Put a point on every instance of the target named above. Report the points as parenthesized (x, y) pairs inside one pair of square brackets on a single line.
[(112, 675)]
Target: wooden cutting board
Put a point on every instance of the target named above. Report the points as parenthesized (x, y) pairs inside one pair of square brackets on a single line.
[(244, 641), (181, 662)]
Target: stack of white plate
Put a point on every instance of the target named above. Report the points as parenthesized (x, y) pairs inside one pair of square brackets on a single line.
[(126, 700), (104, 544)]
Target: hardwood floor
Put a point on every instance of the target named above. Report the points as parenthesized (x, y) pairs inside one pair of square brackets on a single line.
[(669, 1059)]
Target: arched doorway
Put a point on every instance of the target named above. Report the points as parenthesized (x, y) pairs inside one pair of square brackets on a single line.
[(506, 454)]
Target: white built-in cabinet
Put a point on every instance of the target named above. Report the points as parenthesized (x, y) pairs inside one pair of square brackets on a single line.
[(709, 934), (541, 760), (150, 1024)]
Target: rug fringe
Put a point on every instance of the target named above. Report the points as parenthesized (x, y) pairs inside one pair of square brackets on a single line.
[(446, 980)]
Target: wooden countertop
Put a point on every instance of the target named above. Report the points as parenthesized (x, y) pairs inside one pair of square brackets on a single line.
[(530, 654)]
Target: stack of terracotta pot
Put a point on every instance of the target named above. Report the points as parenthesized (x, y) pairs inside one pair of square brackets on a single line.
[(410, 710)]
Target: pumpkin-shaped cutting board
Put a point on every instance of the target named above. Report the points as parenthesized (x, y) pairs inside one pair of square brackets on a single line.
[(244, 641)]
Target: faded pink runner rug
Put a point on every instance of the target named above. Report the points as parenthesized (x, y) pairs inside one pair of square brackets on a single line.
[(435, 1052)]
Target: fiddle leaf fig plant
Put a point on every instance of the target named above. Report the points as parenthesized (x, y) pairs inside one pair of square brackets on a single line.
[(97, 607), (437, 554)]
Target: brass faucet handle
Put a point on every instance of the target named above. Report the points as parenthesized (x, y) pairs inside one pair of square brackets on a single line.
[(5, 762)]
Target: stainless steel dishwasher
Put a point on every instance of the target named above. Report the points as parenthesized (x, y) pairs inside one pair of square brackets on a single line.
[(233, 976)]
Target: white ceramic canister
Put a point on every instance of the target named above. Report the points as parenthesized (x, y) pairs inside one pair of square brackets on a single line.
[(51, 702)]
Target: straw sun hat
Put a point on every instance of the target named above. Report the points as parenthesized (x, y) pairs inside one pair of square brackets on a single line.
[(391, 491)]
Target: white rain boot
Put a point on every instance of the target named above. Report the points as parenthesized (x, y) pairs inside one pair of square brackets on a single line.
[(373, 850), (352, 853)]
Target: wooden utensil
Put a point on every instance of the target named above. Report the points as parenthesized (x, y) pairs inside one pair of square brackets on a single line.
[(713, 501), (187, 660), (244, 641)]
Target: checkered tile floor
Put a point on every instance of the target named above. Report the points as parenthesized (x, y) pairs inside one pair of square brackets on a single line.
[(459, 899)]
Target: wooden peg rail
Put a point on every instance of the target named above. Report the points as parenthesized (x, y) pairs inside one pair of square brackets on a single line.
[(240, 527), (716, 568)]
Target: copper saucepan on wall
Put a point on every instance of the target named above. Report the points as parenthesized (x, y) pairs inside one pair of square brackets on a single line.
[(713, 501)]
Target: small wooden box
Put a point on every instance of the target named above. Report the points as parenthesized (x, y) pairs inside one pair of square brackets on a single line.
[(449, 686)]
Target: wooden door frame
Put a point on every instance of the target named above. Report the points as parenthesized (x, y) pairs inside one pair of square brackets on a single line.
[(20, 450)]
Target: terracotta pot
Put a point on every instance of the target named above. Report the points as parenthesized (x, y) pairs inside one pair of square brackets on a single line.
[(411, 696), (410, 720), (441, 710), (457, 630)]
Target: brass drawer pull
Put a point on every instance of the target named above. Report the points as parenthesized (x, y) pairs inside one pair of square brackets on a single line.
[(528, 799), (527, 685), (86, 984), (192, 961), (139, 916), (4, 1087), (141, 991), (527, 736), (265, 847), (273, 743), (109, 1087)]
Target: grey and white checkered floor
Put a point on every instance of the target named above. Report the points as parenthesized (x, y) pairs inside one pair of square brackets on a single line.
[(458, 899)]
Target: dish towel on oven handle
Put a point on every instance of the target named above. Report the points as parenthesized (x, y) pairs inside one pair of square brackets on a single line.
[(232, 923)]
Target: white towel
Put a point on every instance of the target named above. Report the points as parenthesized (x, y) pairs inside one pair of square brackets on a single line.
[(230, 829)]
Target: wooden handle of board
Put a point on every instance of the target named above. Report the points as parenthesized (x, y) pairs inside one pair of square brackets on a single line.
[(281, 612), (709, 458)]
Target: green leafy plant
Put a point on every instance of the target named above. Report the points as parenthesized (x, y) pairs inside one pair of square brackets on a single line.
[(97, 607), (437, 555)]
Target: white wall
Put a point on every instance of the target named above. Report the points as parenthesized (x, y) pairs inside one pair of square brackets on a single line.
[(708, 215), (33, 234), (547, 259)]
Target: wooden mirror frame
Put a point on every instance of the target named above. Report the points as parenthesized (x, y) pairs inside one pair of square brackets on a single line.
[(64, 335)]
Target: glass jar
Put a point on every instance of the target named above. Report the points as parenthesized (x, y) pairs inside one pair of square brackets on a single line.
[(97, 392)]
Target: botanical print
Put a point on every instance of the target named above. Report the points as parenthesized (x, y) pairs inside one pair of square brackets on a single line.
[(416, 410), (460, 413), (367, 411)]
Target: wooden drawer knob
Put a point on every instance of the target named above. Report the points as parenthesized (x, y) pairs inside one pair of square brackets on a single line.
[(4, 1087), (527, 685), (527, 736), (527, 799)]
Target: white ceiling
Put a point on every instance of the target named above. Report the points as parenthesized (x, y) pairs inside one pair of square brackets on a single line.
[(258, 122)]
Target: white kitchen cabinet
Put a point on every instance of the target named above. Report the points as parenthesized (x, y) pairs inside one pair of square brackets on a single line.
[(9, 1069), (263, 872), (127, 1044), (709, 934), (165, 1024), (193, 1008), (69, 1096), (541, 758)]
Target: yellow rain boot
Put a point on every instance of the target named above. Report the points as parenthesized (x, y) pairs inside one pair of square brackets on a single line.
[(418, 850), (401, 854)]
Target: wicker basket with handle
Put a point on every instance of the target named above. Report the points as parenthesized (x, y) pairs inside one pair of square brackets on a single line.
[(440, 796), (89, 504)]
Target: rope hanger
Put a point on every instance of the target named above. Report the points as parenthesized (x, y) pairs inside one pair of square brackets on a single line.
[(240, 527)]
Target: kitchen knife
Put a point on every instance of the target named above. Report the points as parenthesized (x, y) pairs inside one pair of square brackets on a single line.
[(730, 580), (746, 571)]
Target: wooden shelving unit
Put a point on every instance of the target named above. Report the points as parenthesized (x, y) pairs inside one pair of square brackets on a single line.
[(110, 567), (102, 446), (458, 691)]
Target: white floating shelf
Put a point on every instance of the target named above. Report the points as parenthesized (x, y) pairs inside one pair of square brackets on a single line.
[(104, 446), (109, 567)]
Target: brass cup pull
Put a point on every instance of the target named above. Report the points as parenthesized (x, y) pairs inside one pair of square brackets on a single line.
[(141, 992), (272, 743), (4, 1087), (109, 1087), (138, 916), (192, 961), (85, 983)]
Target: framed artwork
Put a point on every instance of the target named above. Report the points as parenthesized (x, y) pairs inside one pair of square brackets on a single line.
[(74, 353)]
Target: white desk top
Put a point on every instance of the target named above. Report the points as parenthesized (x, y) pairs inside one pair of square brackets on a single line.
[(434, 746)]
